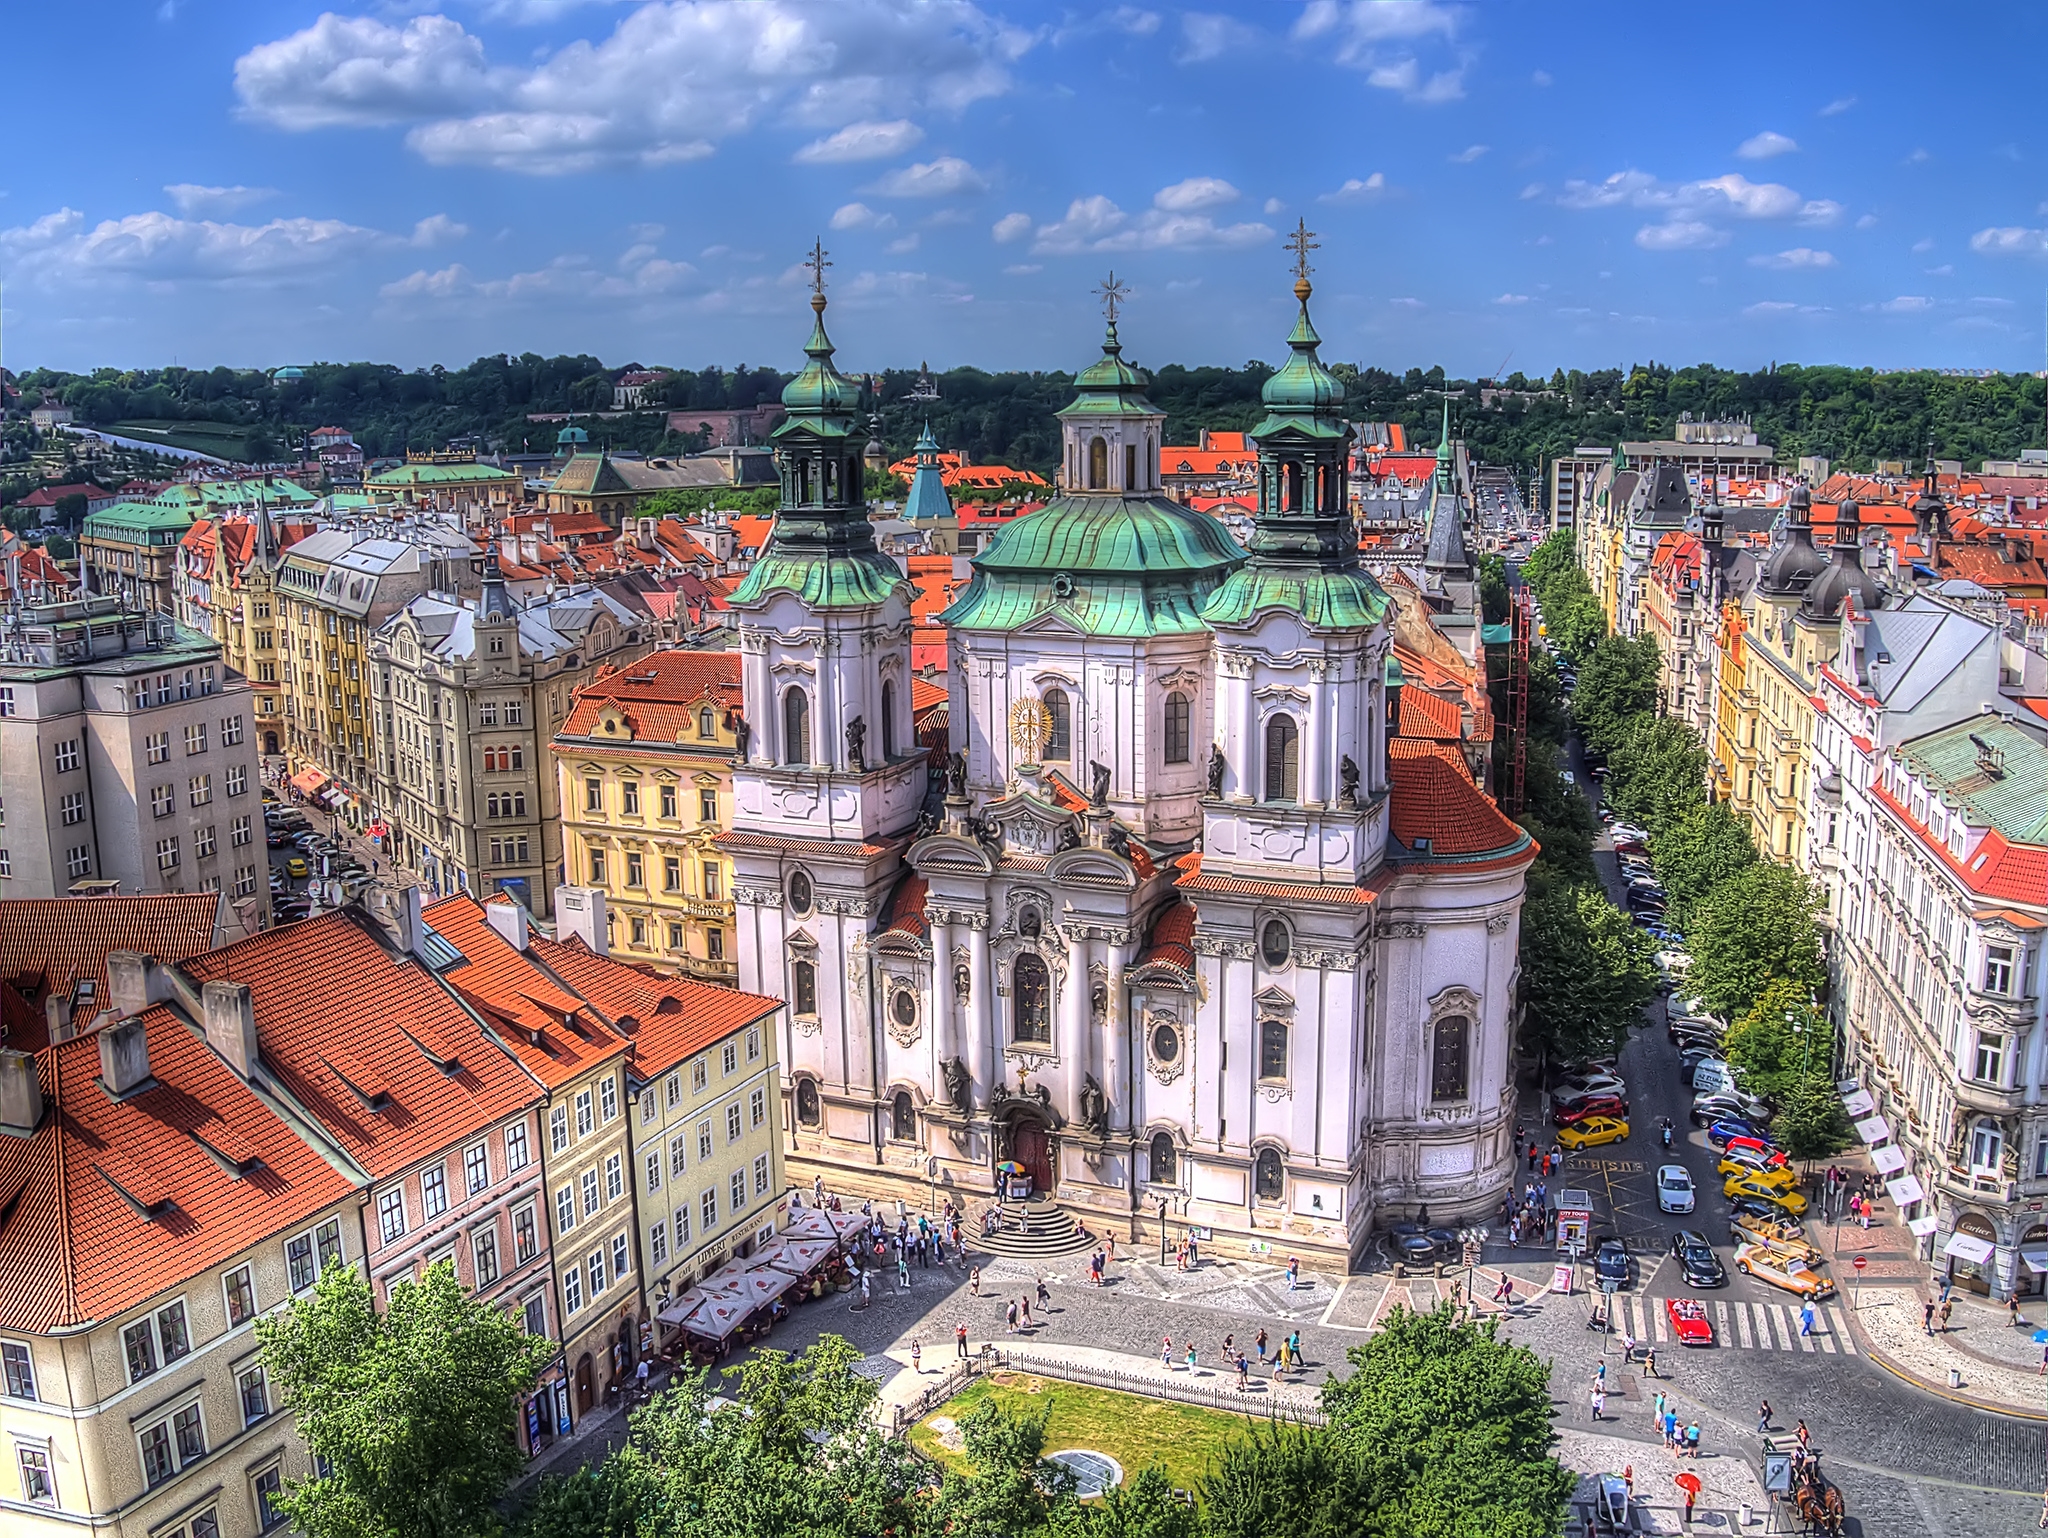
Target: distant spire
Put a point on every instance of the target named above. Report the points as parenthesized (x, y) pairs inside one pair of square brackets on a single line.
[(495, 603)]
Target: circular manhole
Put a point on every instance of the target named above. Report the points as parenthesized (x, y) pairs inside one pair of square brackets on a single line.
[(1093, 1472)]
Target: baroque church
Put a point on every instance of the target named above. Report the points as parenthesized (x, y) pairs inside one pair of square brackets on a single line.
[(1163, 924)]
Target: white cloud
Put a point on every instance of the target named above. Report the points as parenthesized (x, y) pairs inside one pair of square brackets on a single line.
[(1918, 158), (1378, 36), (1770, 307), (1838, 106), (671, 80), (1820, 211), (1274, 205), (1512, 299), (1798, 259), (191, 198), (1753, 200), (1408, 302), (641, 275), (1011, 227), (1470, 153), (1097, 224), (1866, 222), (930, 179), (1356, 191), (904, 243), (59, 249), (1022, 269), (1541, 77), (1924, 245), (1680, 235), (2007, 240), (1765, 145), (858, 216), (1945, 270), (1533, 190), (1906, 304), (861, 141), (437, 230), (1205, 36), (1197, 192)]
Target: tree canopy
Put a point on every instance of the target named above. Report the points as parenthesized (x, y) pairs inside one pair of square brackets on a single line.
[(1785, 1050), (1657, 772), (1587, 972), (1696, 853), (1617, 682), (1754, 928)]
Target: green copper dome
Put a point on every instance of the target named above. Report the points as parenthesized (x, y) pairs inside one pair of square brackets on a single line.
[(821, 390), (1303, 385), (1109, 386)]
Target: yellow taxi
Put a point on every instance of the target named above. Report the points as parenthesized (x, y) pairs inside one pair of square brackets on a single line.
[(295, 866), (1759, 1188), (1592, 1132), (1781, 1177), (1782, 1270)]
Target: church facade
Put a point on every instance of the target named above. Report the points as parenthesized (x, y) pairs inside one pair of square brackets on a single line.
[(1171, 931)]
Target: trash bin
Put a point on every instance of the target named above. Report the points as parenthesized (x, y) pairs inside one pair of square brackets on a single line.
[(1955, 1377)]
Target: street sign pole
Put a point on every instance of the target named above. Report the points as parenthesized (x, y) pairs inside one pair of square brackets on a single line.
[(1859, 1263)]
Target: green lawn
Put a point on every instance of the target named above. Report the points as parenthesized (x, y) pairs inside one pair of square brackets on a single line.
[(1135, 1430), (222, 439)]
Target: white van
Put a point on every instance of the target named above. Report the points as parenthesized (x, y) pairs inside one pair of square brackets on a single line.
[(1713, 1078)]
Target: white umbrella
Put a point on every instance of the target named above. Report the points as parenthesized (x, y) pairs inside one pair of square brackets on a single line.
[(1888, 1159), (1906, 1190), (1862, 1103), (1873, 1129)]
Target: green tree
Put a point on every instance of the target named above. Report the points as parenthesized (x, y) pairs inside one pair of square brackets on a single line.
[(1577, 623), (1657, 773), (1587, 972), (1755, 927), (1145, 1506), (1549, 560), (1784, 1049), (1493, 589), (1618, 682), (1450, 1427), (1294, 1480), (411, 1408), (1011, 1490), (1697, 853)]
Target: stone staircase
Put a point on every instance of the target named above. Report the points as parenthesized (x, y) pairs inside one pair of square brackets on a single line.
[(1038, 1229)]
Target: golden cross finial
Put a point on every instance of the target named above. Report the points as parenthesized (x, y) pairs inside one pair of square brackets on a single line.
[(1301, 242), (1113, 294), (817, 263)]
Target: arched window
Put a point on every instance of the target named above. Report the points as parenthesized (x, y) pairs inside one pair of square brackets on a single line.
[(1290, 487), (1275, 943), (803, 987), (888, 720), (799, 893), (1283, 759), (807, 1102), (1447, 1058), (1165, 1159), (1323, 488), (1059, 736), (707, 722), (902, 1117), (1098, 464), (1031, 999), (796, 726), (1268, 1175), (1176, 723), (1272, 1049)]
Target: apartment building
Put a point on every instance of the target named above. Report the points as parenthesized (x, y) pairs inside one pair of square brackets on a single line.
[(227, 588), (706, 1094), (645, 761), (1571, 481), (127, 759), (579, 1064), (449, 482), (335, 588), (465, 698), (130, 550)]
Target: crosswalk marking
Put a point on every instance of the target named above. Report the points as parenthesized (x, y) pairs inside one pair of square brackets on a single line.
[(1657, 1318), (1753, 1326), (1742, 1324), (1838, 1329), (1825, 1340), (1806, 1341), (1637, 1328), (1720, 1319), (1763, 1326)]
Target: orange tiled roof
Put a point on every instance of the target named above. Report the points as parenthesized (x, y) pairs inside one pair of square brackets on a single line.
[(50, 944), (905, 913), (1431, 800), (359, 1038), (924, 694), (111, 1203), (666, 1019), (659, 694), (1172, 939), (1430, 715), (1423, 747), (1194, 879)]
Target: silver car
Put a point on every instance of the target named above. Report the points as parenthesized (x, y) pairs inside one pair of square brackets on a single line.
[(1675, 1191)]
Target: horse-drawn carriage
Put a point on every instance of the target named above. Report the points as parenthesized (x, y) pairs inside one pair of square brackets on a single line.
[(1817, 1501)]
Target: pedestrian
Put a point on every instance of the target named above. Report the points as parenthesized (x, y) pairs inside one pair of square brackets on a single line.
[(2012, 1311), (1658, 1416), (1628, 1347), (1505, 1293), (1927, 1316), (1259, 1340), (974, 1282), (1947, 1282), (1532, 1155), (2044, 1362), (640, 1378), (1689, 1498), (1244, 1373), (1166, 1353), (1763, 1416), (1026, 1302), (917, 1359), (1804, 1436), (1294, 1275), (1599, 1402), (1192, 1358), (902, 1271), (1044, 1297), (1649, 1361), (1600, 1375), (960, 1340), (1692, 1440), (865, 1296), (1294, 1348), (1229, 1353), (1670, 1427), (1805, 1320), (1010, 1319), (1948, 1307)]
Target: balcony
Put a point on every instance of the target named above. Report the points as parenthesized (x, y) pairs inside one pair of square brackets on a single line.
[(1971, 1095), (699, 908), (707, 970)]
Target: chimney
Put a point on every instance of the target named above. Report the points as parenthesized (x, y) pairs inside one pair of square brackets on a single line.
[(579, 911), (124, 1058), (509, 920), (645, 533), (21, 1097), (57, 1014), (231, 1024), (397, 914), (134, 982)]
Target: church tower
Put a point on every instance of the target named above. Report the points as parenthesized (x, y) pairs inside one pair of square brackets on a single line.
[(829, 776)]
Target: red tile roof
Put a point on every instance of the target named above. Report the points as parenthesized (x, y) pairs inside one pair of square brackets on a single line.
[(1431, 800), (924, 694), (1172, 940), (905, 912), (50, 944), (1430, 715), (659, 694), (666, 1019), (1423, 747), (1196, 880), (74, 1247), (332, 1006)]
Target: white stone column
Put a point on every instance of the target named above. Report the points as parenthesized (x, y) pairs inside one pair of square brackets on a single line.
[(981, 1024), (1073, 1040), (1118, 1047)]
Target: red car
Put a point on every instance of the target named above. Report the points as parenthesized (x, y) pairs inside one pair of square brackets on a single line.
[(1566, 1112), (1689, 1321)]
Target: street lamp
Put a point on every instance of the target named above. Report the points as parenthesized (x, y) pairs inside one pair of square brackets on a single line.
[(1162, 1230)]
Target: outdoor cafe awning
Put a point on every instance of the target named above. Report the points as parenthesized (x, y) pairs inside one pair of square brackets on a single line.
[(307, 781), (2035, 1259), (1889, 1160), (681, 1306), (1920, 1228), (819, 1223), (1862, 1103), (1967, 1247), (1873, 1129), (798, 1257), (1906, 1190)]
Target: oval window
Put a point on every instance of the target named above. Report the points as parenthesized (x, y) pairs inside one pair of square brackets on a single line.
[(904, 1007), (1275, 943), (799, 892), (1165, 1042), (1028, 924)]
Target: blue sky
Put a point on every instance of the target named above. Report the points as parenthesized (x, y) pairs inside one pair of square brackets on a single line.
[(1519, 184)]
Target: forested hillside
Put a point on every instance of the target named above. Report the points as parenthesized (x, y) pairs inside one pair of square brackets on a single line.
[(1854, 416)]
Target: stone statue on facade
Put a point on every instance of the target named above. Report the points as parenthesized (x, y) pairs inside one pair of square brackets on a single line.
[(742, 734), (1094, 1106), (856, 745), (959, 1085), (956, 774), (1347, 771), (1216, 766), (1098, 783)]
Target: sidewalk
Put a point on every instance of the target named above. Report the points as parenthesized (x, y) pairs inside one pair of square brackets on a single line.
[(1137, 1373), (1728, 1482), (1890, 1323)]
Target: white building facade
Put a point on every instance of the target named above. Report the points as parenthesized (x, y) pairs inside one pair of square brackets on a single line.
[(1169, 931)]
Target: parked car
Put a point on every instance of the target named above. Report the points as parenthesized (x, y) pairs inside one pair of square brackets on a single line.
[(1610, 1262), (1739, 1160), (1775, 1231), (1672, 959), (1714, 1077), (1674, 1189), (1763, 1148), (1689, 1323), (1630, 831), (1712, 1108), (1756, 1186), (1683, 1028), (1721, 1133), (1782, 1270), (1566, 1113), (1696, 1259), (1692, 1058), (1595, 1083), (296, 867), (1592, 1132)]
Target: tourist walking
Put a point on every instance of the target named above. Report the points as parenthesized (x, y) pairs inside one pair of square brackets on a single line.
[(1166, 1353), (974, 1282), (917, 1359), (1599, 1401), (1259, 1340), (1294, 1274), (1763, 1416), (1010, 1319), (960, 1340), (1927, 1316)]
